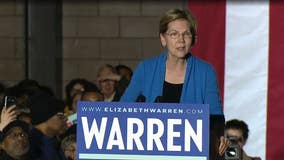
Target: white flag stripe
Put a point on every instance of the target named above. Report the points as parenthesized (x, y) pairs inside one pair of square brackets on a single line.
[(246, 69)]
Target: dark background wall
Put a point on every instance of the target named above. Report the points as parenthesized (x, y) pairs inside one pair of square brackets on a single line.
[(12, 53), (95, 32)]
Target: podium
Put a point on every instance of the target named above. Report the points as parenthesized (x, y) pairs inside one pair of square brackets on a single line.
[(142, 131)]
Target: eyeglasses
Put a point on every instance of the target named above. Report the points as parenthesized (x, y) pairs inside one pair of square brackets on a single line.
[(61, 115), (176, 34), (14, 135), (106, 81)]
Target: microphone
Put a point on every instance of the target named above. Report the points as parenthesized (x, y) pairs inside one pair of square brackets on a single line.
[(141, 98), (159, 99)]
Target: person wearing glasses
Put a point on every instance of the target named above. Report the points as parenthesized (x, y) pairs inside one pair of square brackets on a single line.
[(14, 136), (14, 140), (107, 79), (176, 75)]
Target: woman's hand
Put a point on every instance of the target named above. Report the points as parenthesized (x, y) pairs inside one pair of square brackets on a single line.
[(7, 115)]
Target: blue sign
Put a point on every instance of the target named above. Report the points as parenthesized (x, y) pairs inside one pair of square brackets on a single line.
[(140, 131)]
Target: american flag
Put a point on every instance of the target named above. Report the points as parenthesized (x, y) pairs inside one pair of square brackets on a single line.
[(244, 40)]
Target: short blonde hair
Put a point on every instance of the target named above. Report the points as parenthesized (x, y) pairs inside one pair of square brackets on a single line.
[(68, 141), (175, 14)]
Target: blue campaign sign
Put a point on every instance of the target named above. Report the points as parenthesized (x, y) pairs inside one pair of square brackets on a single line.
[(140, 131)]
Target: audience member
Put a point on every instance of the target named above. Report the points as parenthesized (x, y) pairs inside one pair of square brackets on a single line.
[(75, 99), (85, 96), (49, 122), (77, 85), (68, 146), (107, 79), (72, 118), (126, 74), (124, 71), (239, 129), (14, 141), (92, 96)]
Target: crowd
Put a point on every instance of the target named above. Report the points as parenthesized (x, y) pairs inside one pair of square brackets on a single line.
[(35, 125)]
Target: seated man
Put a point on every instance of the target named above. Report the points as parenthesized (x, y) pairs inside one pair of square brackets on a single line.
[(107, 79), (239, 129), (14, 141)]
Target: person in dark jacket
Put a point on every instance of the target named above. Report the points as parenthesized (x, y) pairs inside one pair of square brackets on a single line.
[(14, 141), (49, 122)]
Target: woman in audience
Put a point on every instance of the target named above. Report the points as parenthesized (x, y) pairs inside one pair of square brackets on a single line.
[(75, 86), (68, 146)]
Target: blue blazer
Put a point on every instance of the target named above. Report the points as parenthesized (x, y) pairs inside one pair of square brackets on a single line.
[(200, 84)]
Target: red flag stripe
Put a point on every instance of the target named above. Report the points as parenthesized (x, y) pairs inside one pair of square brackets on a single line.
[(275, 128), (245, 93), (211, 34)]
